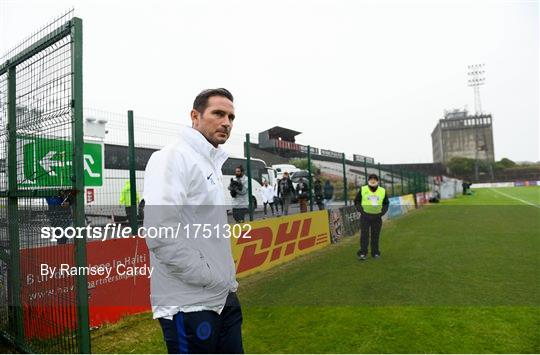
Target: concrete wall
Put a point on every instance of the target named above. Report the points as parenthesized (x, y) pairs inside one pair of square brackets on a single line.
[(457, 138)]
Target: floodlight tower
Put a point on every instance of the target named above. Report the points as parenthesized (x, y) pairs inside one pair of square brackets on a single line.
[(476, 79)]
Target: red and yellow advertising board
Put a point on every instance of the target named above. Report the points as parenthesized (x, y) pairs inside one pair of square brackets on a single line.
[(275, 241), (51, 300)]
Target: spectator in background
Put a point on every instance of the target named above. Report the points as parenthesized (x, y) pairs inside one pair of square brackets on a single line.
[(267, 192), (125, 200), (285, 192), (302, 194), (372, 203), (466, 185), (328, 193), (277, 201), (141, 210), (318, 192), (60, 212), (239, 192)]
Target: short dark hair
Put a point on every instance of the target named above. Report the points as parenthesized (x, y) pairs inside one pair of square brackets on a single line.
[(240, 167), (201, 101), (373, 176)]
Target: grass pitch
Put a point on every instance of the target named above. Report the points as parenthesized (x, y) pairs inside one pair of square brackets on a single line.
[(460, 276)]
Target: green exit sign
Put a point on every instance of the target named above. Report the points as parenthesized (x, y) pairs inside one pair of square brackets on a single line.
[(47, 162)]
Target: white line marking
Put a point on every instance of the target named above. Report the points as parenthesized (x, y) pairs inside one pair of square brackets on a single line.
[(518, 199)]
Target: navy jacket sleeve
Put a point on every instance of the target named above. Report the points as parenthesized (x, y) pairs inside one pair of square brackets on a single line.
[(358, 202)]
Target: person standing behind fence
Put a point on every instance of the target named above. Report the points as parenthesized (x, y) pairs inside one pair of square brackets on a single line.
[(302, 194), (125, 200), (328, 193), (372, 203), (267, 192), (239, 193), (60, 213), (277, 201), (285, 192), (193, 284), (318, 192)]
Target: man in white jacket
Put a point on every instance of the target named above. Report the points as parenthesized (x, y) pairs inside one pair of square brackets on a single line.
[(193, 286), (267, 192)]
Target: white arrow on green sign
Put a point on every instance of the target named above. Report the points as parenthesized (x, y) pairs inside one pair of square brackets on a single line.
[(47, 162)]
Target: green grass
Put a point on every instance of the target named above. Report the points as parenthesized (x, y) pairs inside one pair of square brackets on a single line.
[(461, 276), (499, 196)]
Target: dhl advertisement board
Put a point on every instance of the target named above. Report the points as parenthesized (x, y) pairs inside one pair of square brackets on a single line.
[(272, 242)]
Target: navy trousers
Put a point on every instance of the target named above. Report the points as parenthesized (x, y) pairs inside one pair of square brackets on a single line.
[(370, 229), (205, 331)]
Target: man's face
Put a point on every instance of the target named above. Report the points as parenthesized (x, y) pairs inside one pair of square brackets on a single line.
[(286, 175), (373, 182), (238, 172), (216, 122)]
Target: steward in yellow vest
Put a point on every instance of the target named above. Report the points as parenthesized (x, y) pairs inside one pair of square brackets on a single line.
[(125, 200), (372, 203)]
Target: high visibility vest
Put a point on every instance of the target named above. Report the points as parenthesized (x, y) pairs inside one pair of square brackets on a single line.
[(372, 202), (125, 195)]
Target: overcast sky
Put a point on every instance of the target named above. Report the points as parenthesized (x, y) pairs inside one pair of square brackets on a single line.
[(365, 77)]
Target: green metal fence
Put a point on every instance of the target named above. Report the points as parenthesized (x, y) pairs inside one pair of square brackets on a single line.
[(42, 184), (128, 142), (50, 148), (345, 176)]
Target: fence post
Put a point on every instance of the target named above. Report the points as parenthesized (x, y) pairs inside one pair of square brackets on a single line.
[(248, 168), (310, 178), (345, 192), (79, 219), (365, 169), (132, 177), (401, 178), (380, 177), (13, 209), (392, 180)]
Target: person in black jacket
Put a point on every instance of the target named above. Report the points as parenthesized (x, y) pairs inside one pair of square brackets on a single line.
[(372, 203), (302, 194), (328, 193), (318, 192), (285, 192)]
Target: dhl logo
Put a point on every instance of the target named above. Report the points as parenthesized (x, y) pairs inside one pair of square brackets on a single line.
[(292, 238)]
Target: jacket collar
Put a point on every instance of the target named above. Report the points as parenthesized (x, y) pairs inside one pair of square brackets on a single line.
[(195, 138)]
